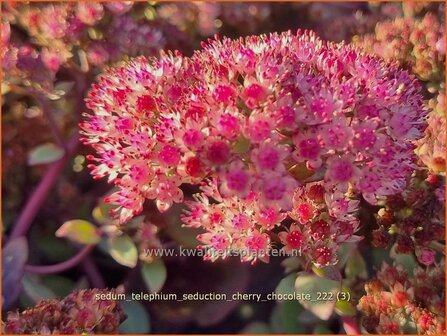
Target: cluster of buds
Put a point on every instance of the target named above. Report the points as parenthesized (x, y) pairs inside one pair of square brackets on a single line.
[(320, 221), (416, 8), (82, 312), (432, 147), (80, 35), (397, 303), (414, 219), (259, 118), (417, 43)]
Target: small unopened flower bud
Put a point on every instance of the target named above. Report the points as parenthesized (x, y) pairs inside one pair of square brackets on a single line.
[(381, 238)]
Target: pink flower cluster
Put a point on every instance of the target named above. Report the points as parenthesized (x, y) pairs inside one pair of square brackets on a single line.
[(399, 303), (81, 312), (418, 43), (262, 117), (415, 218), (432, 148), (24, 60), (321, 221), (89, 33)]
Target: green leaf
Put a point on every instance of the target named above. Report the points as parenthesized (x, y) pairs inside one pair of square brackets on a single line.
[(344, 252), (290, 264), (328, 272), (344, 305), (284, 319), (356, 266), (286, 285), (101, 213), (154, 274), (379, 256), (321, 330), (44, 154), (123, 250), (407, 261), (35, 290), (242, 145), (54, 249), (301, 172), (137, 321), (59, 285), (136, 222), (256, 328), (345, 308), (322, 293), (186, 237), (79, 231)]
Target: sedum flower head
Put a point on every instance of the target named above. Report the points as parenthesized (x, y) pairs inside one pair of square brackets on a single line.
[(89, 33), (415, 218), (397, 302), (261, 117), (416, 42), (432, 148), (79, 313)]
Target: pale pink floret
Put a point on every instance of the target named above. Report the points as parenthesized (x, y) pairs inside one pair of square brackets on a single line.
[(308, 146), (236, 180), (52, 60), (256, 246), (217, 152), (6, 34), (169, 155), (293, 239), (341, 170), (258, 128), (269, 216), (228, 125), (269, 156), (119, 7), (254, 94)]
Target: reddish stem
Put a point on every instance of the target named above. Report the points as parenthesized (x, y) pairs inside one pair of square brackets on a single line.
[(92, 272), (350, 325), (41, 192), (63, 266)]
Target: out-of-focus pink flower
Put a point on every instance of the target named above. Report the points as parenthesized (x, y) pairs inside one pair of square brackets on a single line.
[(397, 299), (426, 256), (119, 7), (418, 43), (432, 148), (52, 59), (440, 45), (98, 55), (89, 12), (52, 20), (6, 34)]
